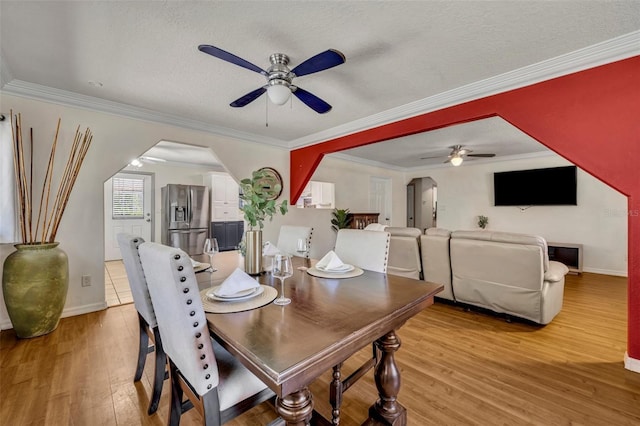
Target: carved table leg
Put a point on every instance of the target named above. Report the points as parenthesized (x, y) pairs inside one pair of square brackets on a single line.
[(335, 396), (296, 408), (387, 410)]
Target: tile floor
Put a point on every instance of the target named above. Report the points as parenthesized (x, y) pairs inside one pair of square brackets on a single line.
[(117, 290)]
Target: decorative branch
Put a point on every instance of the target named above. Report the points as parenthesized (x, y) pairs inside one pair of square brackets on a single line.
[(24, 187)]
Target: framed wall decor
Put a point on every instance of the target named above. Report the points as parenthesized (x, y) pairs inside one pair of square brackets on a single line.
[(271, 183)]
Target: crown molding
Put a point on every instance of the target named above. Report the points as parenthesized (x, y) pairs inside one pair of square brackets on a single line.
[(64, 97), (622, 47)]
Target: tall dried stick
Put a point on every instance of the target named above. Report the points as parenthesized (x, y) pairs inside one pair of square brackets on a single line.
[(47, 180), (75, 170), (16, 168), (31, 235), (64, 182)]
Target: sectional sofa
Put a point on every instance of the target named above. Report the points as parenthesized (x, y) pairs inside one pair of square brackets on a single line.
[(504, 272)]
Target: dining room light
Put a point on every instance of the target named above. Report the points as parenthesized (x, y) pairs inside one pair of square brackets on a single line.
[(278, 91), (456, 160)]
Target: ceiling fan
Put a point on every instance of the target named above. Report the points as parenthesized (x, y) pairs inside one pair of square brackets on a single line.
[(458, 152), (279, 76)]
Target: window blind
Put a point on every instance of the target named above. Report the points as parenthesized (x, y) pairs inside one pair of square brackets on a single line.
[(128, 198)]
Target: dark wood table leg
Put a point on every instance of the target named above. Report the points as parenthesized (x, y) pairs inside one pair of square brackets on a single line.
[(335, 395), (387, 410), (296, 408)]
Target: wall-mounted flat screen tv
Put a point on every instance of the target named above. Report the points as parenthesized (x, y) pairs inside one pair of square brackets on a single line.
[(555, 186)]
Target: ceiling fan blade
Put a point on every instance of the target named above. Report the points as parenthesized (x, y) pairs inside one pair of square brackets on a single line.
[(481, 155), (311, 100), (322, 61), (428, 158), (248, 98), (230, 57)]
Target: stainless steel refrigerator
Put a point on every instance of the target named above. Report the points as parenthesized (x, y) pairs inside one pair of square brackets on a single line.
[(185, 217)]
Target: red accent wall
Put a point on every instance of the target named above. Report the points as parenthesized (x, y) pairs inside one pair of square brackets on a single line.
[(592, 118)]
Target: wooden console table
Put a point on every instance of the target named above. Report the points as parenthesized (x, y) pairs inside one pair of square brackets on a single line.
[(361, 220)]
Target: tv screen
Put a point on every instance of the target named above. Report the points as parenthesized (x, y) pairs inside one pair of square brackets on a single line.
[(554, 186)]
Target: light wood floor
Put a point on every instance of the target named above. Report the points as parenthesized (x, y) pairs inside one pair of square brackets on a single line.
[(458, 368)]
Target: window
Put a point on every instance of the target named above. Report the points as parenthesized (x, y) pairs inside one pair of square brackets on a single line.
[(128, 198)]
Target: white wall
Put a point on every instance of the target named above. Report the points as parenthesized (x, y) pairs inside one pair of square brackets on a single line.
[(598, 221)]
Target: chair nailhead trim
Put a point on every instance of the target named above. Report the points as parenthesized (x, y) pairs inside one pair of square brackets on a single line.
[(198, 335), (192, 313), (176, 257), (209, 386), (206, 366), (185, 290), (203, 356), (180, 268), (207, 376), (200, 346), (183, 279), (195, 324), (189, 301)]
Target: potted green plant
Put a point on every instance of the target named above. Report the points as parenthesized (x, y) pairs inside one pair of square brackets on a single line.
[(483, 221), (341, 219), (258, 195)]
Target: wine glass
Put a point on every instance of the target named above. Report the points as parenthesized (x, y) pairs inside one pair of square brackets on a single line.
[(281, 269), (210, 249), (302, 248)]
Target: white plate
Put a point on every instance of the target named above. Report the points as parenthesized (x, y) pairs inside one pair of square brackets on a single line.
[(199, 267), (344, 268), (246, 294)]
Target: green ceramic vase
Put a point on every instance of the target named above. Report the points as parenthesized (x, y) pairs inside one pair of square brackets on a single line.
[(35, 279)]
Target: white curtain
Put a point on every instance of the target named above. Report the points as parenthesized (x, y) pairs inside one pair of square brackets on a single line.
[(8, 209)]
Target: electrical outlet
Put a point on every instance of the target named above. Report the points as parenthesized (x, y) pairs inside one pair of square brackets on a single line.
[(86, 280)]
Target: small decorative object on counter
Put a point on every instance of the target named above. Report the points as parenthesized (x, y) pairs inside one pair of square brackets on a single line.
[(483, 221)]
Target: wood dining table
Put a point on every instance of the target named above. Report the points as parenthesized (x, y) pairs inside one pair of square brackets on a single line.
[(327, 321)]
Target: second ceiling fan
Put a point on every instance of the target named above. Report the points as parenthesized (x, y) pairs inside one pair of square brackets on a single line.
[(279, 76), (458, 152)]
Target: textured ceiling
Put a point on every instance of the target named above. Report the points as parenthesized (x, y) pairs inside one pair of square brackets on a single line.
[(145, 53)]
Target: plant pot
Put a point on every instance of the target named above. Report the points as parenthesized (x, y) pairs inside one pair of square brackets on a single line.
[(35, 279), (253, 253)]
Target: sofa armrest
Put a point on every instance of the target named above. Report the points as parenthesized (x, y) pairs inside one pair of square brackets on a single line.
[(556, 271)]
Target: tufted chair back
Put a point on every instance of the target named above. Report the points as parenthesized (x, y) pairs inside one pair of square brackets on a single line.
[(288, 239), (365, 249), (181, 319)]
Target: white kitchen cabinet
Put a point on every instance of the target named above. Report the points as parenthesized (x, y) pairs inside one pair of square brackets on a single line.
[(224, 198)]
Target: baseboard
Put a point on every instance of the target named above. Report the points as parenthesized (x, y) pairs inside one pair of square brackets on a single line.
[(71, 312), (606, 272), (631, 363)]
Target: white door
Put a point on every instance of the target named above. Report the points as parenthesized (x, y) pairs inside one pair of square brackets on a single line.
[(380, 198), (127, 208)]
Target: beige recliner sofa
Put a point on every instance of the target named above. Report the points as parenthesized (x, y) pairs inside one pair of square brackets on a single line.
[(436, 263), (404, 252), (508, 273)]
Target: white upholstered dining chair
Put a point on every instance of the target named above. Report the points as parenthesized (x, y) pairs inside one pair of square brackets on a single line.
[(215, 383), (146, 317), (367, 250), (289, 236)]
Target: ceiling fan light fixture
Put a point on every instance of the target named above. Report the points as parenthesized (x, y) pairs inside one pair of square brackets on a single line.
[(279, 91), (456, 160)]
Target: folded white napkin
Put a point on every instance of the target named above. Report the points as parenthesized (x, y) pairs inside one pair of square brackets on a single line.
[(330, 262), (269, 249), (236, 282), (195, 263)]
